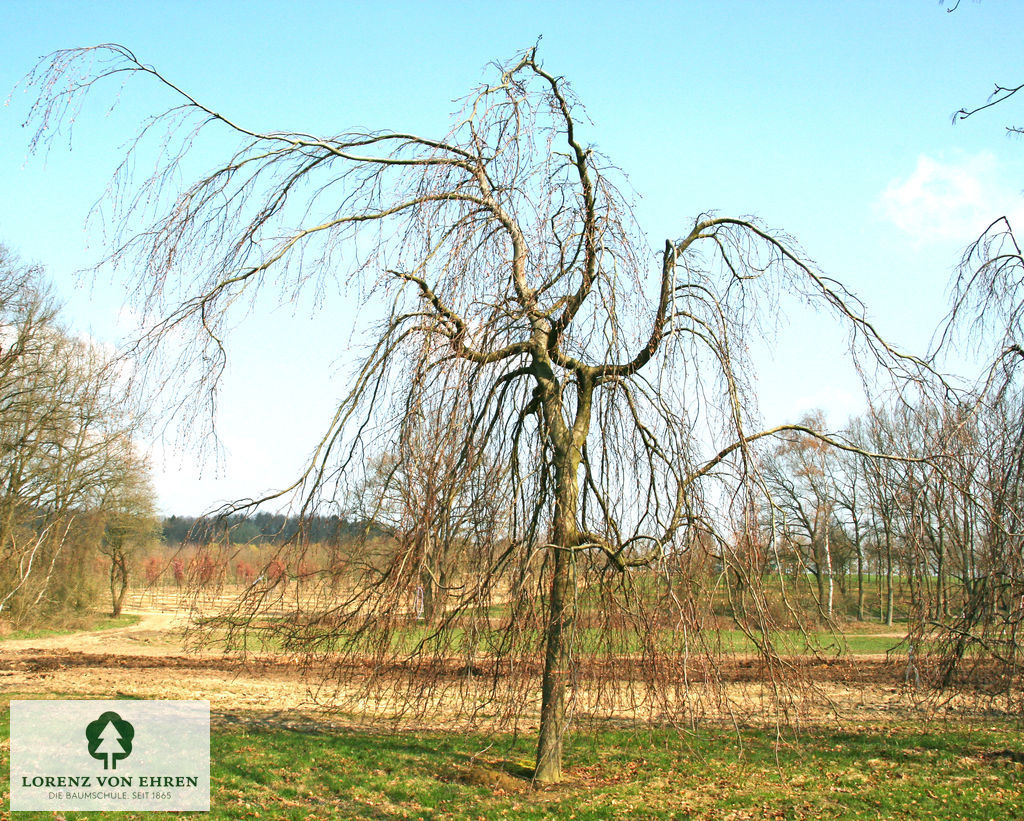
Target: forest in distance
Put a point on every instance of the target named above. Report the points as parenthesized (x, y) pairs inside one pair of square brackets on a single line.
[(547, 493), (259, 528)]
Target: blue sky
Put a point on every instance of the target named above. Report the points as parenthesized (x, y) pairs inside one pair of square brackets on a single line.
[(828, 120)]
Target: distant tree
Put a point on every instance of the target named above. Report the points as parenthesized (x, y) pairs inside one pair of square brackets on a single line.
[(437, 515), (981, 510), (245, 572), (852, 502), (801, 487), (505, 282), (244, 532), (127, 505), (154, 568), (178, 569), (175, 529), (888, 493)]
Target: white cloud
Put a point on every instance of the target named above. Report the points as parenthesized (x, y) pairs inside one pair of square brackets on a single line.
[(950, 200)]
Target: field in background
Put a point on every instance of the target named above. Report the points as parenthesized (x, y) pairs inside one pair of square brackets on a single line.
[(870, 637)]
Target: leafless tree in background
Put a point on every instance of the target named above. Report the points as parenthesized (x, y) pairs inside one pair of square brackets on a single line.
[(62, 417), (801, 487), (126, 506), (608, 444)]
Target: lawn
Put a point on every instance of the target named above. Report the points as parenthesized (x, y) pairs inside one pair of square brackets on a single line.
[(908, 770), (857, 638)]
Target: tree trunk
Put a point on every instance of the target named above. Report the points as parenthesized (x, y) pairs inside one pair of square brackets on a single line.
[(432, 583), (878, 581), (968, 556), (860, 573), (426, 602), (560, 616), (118, 583), (819, 573), (552, 714), (890, 592), (828, 570)]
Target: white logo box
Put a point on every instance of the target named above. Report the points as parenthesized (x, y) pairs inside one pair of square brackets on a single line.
[(110, 755)]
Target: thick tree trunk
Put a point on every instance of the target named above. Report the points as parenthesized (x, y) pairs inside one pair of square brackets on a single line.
[(560, 616), (819, 569), (567, 443), (552, 715)]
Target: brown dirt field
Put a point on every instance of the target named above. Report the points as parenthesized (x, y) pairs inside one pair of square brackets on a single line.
[(145, 660), (148, 660)]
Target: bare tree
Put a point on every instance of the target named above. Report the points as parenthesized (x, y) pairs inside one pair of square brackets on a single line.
[(504, 283), (60, 415), (978, 623), (126, 504), (851, 496), (434, 497), (986, 321), (801, 487)]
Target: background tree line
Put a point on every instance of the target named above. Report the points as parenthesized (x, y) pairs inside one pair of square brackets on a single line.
[(261, 527), (934, 543)]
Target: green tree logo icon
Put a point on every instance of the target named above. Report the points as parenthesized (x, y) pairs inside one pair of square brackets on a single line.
[(110, 739)]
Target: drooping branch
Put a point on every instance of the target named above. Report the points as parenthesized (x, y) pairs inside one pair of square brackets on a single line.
[(1000, 94)]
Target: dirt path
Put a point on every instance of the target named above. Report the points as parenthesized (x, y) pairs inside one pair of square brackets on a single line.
[(154, 633)]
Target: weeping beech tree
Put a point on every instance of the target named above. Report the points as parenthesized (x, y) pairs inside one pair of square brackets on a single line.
[(608, 447)]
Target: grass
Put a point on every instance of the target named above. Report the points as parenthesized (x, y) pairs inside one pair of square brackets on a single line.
[(879, 642), (793, 641), (92, 622), (859, 639), (863, 771)]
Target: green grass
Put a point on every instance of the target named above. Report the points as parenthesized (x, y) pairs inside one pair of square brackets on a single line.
[(865, 771), (860, 639), (797, 643), (90, 623)]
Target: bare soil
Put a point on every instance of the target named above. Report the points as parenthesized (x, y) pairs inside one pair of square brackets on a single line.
[(148, 660)]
